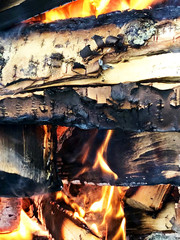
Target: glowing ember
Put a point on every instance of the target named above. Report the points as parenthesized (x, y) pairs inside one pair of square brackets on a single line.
[(85, 8), (26, 229), (60, 131)]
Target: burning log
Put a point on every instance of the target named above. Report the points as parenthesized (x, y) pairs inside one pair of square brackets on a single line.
[(92, 51), (99, 216), (124, 106), (77, 206), (132, 159), (61, 225)]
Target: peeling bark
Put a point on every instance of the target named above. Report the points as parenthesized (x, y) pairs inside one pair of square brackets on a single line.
[(129, 107), (139, 49)]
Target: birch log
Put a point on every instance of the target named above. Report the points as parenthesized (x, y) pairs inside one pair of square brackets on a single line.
[(114, 48)]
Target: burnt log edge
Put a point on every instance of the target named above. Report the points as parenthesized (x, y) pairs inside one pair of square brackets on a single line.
[(158, 13), (149, 109), (14, 185), (28, 8)]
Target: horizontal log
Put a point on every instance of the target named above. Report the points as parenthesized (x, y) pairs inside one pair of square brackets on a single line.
[(149, 198), (136, 158), (13, 12), (91, 51), (129, 107), (28, 168)]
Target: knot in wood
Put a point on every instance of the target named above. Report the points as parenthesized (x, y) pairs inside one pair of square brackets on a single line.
[(138, 32)]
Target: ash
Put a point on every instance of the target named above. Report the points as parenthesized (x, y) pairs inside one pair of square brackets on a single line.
[(161, 236)]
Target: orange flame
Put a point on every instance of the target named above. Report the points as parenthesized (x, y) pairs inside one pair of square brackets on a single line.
[(61, 130), (111, 204), (78, 211), (85, 8), (26, 229), (108, 209), (100, 160)]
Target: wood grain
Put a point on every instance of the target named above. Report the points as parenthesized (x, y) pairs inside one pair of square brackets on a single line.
[(149, 198), (137, 158)]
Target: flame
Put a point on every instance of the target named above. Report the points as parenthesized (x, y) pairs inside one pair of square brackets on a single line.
[(121, 234), (111, 204), (100, 160), (108, 209), (78, 211), (60, 131), (26, 229), (85, 8)]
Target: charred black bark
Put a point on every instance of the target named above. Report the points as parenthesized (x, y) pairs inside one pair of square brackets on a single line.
[(26, 167), (160, 12), (130, 107)]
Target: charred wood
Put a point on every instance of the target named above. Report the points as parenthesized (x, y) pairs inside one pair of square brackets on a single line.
[(69, 53), (129, 107), (26, 165), (13, 12)]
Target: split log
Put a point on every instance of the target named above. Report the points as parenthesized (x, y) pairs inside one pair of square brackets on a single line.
[(60, 224), (147, 198), (139, 222), (137, 158), (92, 51), (130, 107), (26, 164)]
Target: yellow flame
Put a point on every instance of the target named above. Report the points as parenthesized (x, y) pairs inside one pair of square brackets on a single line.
[(100, 160), (79, 212), (121, 234), (111, 204), (26, 229), (85, 8), (109, 207)]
